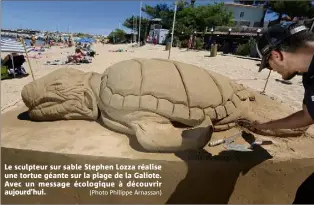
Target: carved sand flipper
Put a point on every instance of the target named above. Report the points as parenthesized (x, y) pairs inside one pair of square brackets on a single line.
[(158, 134)]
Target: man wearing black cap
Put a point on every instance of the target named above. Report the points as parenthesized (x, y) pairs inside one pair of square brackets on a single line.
[(289, 50)]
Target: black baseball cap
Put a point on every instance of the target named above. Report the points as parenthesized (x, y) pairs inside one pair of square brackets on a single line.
[(273, 37)]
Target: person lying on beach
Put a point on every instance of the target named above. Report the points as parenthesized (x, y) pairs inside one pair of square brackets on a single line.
[(89, 50), (77, 57), (41, 48)]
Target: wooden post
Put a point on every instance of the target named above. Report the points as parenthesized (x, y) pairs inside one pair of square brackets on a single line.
[(263, 92), (173, 23), (30, 67), (12, 65), (139, 26)]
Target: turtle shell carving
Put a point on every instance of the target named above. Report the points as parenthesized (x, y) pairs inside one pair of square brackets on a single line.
[(146, 96)]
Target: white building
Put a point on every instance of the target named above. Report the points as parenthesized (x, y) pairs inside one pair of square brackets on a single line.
[(246, 15), (160, 34)]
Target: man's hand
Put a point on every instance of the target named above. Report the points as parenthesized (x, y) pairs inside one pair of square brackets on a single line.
[(251, 125), (297, 120), (258, 125)]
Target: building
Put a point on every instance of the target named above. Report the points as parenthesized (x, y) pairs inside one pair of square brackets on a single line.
[(156, 31), (246, 15), (160, 34)]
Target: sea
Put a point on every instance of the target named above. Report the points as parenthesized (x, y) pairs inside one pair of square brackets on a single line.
[(27, 41)]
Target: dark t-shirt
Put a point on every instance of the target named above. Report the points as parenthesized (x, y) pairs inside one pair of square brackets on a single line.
[(308, 83)]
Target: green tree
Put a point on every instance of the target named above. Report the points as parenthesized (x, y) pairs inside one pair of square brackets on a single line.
[(162, 11), (82, 35), (188, 18), (311, 12), (117, 36), (290, 8), (165, 12), (192, 3), (198, 18), (128, 23)]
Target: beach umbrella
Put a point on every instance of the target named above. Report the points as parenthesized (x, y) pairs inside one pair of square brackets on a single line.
[(13, 46), (77, 39), (90, 40), (86, 40)]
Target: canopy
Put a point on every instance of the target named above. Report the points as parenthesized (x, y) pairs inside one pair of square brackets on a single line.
[(13, 46)]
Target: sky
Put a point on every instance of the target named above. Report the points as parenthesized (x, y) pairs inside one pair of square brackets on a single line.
[(94, 17)]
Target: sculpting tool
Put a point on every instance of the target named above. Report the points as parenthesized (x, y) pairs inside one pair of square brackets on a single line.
[(226, 140)]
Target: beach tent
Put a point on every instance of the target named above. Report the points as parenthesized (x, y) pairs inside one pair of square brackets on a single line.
[(13, 46)]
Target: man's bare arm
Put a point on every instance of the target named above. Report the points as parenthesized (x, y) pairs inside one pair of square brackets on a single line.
[(299, 119)]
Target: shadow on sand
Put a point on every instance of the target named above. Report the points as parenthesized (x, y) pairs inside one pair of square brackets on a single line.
[(211, 179), (24, 116), (287, 82), (305, 192)]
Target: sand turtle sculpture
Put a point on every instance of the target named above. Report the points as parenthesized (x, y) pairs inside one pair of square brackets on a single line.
[(169, 106)]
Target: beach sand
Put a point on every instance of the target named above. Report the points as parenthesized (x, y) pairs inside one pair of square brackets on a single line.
[(270, 175), (243, 71)]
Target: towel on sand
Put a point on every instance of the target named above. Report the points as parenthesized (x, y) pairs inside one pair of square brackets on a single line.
[(86, 59)]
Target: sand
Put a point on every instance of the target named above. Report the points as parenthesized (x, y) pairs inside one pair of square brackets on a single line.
[(270, 174), (244, 71)]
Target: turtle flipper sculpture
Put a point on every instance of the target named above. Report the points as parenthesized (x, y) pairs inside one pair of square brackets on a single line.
[(168, 105), (158, 134)]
